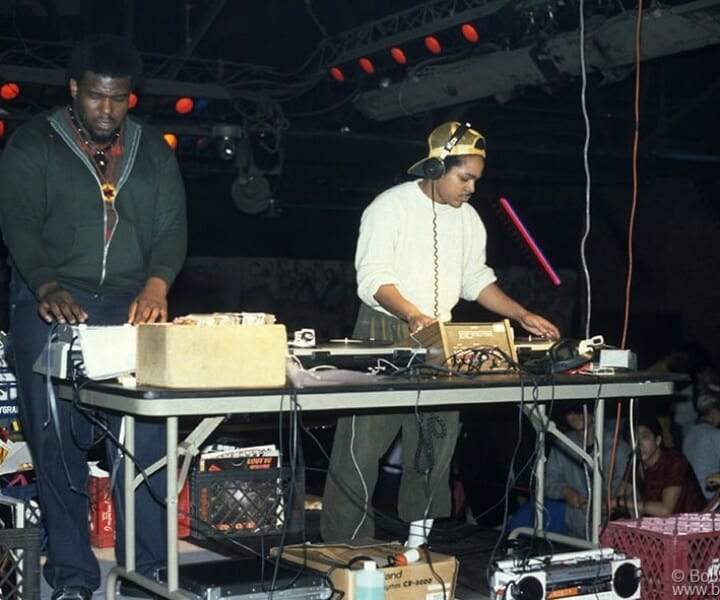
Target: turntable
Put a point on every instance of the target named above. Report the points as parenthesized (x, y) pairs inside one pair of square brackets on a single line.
[(358, 355)]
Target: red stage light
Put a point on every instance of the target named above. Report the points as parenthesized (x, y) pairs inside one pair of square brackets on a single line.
[(133, 100), (366, 65), (337, 74), (398, 55), (9, 91), (171, 140), (2, 128), (184, 105), (433, 44), (470, 33)]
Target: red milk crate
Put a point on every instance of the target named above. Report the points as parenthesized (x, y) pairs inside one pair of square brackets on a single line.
[(679, 555), (184, 510), (102, 513)]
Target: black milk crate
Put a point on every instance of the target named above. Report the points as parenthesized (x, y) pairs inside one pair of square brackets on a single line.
[(20, 563), (245, 502)]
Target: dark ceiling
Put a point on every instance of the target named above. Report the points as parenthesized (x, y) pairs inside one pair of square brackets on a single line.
[(327, 148)]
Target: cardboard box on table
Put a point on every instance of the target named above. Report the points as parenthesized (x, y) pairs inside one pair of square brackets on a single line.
[(211, 356), (422, 580)]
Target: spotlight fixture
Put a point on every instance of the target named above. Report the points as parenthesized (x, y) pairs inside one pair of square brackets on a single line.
[(398, 55), (227, 148), (366, 65), (337, 74), (470, 33), (251, 192), (227, 140), (171, 140), (9, 90), (184, 105), (433, 44)]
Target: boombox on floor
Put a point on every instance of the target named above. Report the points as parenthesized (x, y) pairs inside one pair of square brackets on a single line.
[(601, 574)]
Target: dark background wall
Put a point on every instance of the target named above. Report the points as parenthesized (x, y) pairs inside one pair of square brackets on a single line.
[(264, 66), (298, 264)]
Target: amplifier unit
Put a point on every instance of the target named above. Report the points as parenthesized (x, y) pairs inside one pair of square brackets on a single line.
[(601, 574), (468, 347)]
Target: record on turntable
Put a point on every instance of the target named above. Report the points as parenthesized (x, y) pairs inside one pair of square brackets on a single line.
[(357, 354), (359, 343)]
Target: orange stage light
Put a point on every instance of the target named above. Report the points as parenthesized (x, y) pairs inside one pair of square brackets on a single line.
[(433, 44), (398, 55), (9, 91), (366, 65), (171, 140), (337, 74), (470, 33), (184, 105)]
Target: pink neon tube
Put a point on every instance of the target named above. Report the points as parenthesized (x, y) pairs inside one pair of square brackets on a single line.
[(530, 241)]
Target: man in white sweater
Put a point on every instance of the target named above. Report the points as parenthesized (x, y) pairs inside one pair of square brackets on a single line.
[(421, 248)]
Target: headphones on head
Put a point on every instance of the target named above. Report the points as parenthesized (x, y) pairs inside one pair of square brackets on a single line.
[(434, 168)]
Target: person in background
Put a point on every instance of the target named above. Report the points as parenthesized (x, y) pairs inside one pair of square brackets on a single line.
[(420, 249), (665, 481), (693, 359), (568, 478), (701, 444), (712, 482), (92, 210)]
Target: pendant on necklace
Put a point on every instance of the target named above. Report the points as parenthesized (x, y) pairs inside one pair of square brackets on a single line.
[(109, 192)]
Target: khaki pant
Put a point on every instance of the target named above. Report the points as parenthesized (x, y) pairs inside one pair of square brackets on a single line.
[(428, 444)]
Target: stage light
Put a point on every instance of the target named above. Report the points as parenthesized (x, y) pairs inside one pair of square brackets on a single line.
[(366, 65), (227, 148), (398, 55), (470, 33), (171, 140), (337, 74), (9, 90), (2, 128), (132, 100), (227, 136), (184, 105), (251, 192), (433, 44)]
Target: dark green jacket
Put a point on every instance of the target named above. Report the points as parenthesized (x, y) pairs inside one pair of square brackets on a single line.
[(53, 218)]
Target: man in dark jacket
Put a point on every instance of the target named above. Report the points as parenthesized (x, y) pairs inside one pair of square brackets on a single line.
[(92, 210)]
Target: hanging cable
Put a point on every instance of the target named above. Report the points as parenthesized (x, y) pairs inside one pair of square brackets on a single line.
[(633, 207), (586, 166)]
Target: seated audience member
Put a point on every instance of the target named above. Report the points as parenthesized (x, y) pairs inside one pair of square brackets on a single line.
[(701, 445), (692, 359), (713, 482), (666, 483), (568, 478)]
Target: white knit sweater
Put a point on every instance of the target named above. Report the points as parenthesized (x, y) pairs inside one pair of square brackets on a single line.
[(395, 246)]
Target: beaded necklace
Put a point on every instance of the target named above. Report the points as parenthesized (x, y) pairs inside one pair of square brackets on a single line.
[(107, 162), (98, 155)]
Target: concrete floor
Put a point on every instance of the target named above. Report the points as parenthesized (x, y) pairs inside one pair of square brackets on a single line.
[(189, 553), (471, 545)]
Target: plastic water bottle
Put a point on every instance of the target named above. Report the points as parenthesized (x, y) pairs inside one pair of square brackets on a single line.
[(369, 582)]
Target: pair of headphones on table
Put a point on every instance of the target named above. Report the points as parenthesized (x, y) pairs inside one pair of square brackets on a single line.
[(564, 355), (434, 168)]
